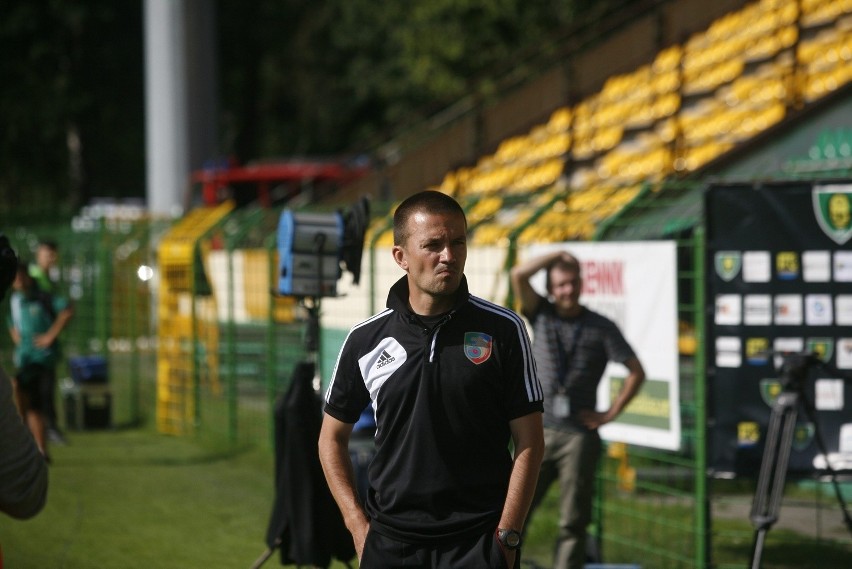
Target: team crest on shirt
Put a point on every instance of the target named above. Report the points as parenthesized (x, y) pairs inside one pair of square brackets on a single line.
[(477, 346)]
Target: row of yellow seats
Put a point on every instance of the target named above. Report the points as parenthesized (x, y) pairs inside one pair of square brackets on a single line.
[(577, 218), (560, 120), (540, 144), (822, 83), (826, 51), (605, 139), (543, 174), (512, 178), (743, 123), (819, 12), (629, 112), (743, 31), (627, 166), (544, 141), (498, 233), (592, 143), (556, 144), (705, 80), (616, 201), (496, 225), (699, 80), (588, 199), (623, 94), (489, 182), (696, 156), (752, 20), (760, 18), (559, 226), (754, 90), (510, 149), (769, 45), (484, 209)]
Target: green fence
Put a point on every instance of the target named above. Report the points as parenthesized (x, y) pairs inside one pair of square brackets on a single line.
[(654, 506), (98, 272), (675, 515), (658, 511)]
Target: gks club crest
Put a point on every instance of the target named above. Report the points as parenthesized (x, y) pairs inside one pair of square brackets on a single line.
[(477, 346), (728, 264), (833, 210)]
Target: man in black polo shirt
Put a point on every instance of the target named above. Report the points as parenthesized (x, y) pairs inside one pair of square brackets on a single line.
[(451, 380)]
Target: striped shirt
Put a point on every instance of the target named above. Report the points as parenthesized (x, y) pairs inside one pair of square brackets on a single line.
[(589, 341)]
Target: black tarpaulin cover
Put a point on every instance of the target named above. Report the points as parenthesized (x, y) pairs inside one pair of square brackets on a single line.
[(305, 523)]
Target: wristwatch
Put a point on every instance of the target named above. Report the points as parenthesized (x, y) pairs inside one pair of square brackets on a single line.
[(511, 539)]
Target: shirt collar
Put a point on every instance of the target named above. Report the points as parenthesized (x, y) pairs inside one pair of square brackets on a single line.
[(398, 295)]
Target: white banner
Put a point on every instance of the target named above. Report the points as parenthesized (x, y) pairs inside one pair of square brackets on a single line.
[(635, 285)]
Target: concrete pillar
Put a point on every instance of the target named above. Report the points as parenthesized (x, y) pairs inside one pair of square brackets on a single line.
[(180, 98)]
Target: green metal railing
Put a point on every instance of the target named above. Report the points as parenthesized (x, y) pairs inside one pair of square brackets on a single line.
[(663, 518)]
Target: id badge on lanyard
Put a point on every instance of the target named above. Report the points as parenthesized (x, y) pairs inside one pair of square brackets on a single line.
[(561, 402)]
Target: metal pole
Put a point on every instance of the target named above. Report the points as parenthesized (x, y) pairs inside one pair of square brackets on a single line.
[(703, 518), (166, 122)]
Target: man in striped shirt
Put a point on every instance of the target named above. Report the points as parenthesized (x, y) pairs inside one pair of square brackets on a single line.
[(451, 380), (572, 346)]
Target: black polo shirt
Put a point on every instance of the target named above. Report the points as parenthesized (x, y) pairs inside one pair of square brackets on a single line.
[(443, 396)]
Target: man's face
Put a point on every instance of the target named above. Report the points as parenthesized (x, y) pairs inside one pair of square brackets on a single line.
[(22, 281), (565, 287), (434, 253), (46, 257)]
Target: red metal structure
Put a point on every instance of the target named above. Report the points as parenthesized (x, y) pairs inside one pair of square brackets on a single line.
[(220, 183)]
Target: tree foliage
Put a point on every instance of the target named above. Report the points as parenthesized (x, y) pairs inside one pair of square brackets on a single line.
[(296, 77), (324, 77), (70, 104)]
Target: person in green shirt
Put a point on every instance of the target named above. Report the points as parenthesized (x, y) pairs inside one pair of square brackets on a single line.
[(35, 321), (46, 257), (42, 271)]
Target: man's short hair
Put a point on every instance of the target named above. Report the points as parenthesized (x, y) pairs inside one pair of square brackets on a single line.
[(429, 201), (49, 244), (569, 265)]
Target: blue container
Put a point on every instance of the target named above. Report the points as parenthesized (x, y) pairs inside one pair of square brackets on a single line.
[(88, 369)]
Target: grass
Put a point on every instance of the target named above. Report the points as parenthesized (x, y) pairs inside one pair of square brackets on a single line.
[(130, 498)]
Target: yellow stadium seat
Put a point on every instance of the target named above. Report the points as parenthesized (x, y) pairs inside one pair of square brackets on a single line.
[(560, 120)]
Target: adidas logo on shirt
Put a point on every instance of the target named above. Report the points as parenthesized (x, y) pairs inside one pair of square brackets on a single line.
[(384, 359)]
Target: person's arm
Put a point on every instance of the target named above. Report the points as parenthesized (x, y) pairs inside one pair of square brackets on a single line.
[(340, 476), (62, 318), (635, 378), (528, 439), (521, 275), (23, 470)]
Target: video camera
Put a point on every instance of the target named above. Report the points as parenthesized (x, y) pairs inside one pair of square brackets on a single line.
[(8, 265)]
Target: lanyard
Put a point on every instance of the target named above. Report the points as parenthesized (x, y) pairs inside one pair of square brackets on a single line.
[(563, 366)]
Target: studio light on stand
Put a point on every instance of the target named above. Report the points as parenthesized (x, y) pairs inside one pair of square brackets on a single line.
[(306, 525), (313, 251)]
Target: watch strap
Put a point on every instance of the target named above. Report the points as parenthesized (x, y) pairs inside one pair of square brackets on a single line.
[(509, 538)]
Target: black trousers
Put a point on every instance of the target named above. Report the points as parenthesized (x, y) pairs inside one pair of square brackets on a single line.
[(477, 552)]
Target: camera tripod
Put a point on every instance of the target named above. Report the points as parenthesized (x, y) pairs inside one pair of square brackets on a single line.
[(779, 441)]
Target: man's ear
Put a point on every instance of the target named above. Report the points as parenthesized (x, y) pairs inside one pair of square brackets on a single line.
[(399, 257)]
